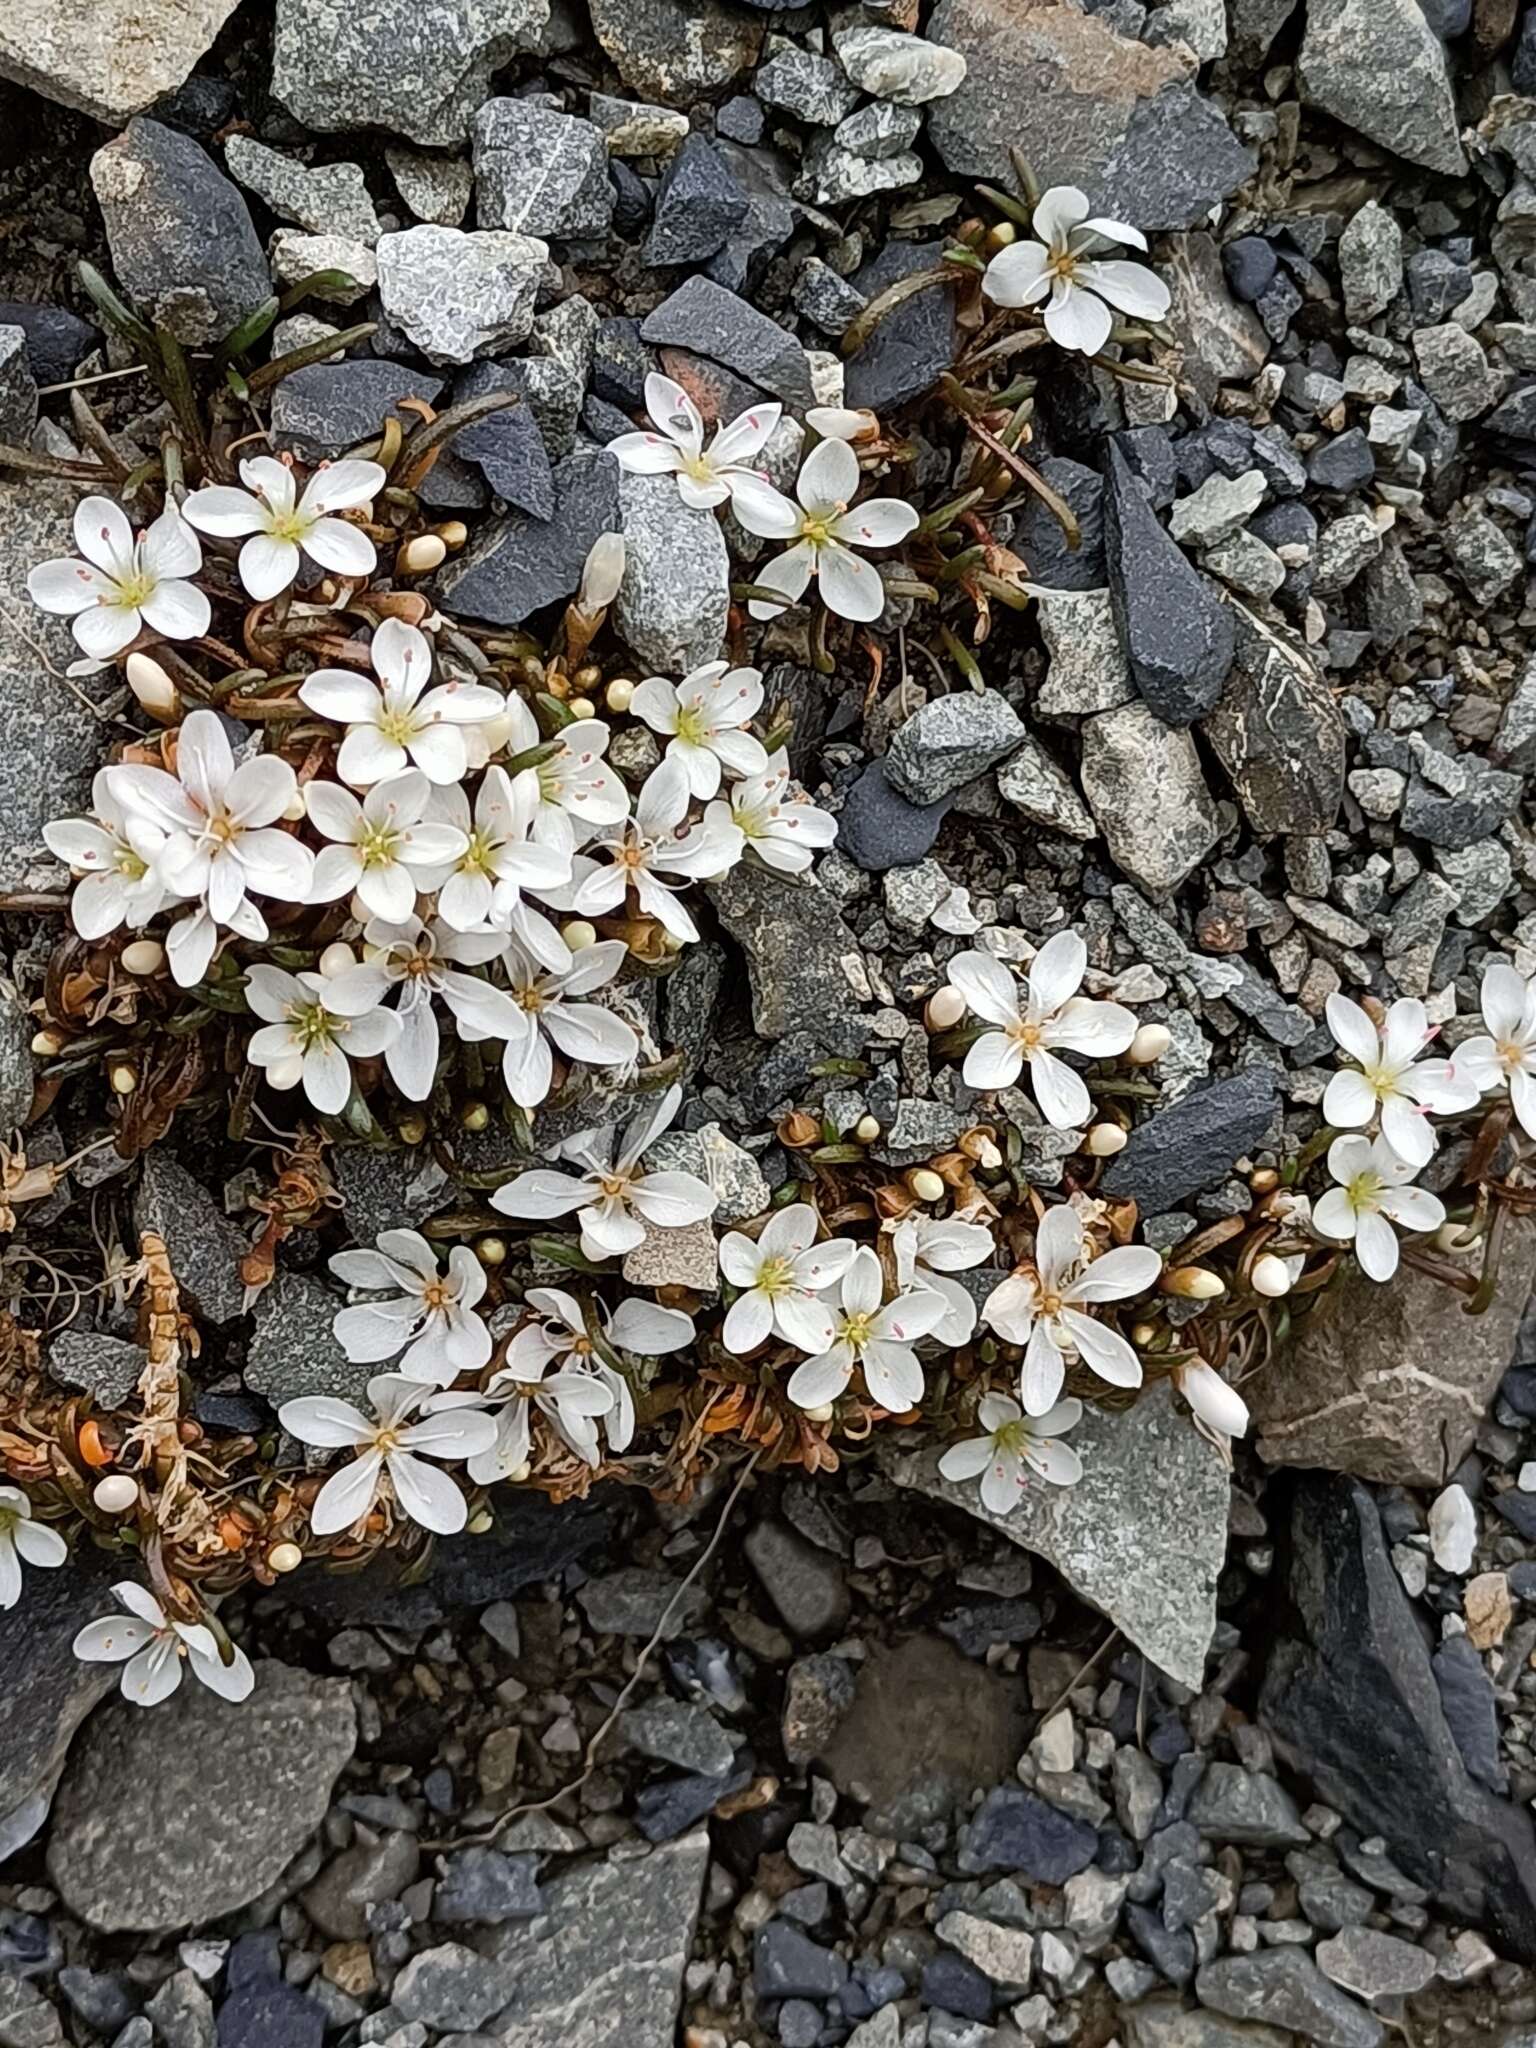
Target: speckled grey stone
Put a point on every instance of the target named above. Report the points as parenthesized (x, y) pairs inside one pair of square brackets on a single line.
[(457, 295)]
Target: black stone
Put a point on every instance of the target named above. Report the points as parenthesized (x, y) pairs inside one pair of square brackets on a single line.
[(788, 1964), (1193, 1144), (1015, 1831), (1250, 265), (517, 564), (1437, 281), (1177, 634), (1170, 1950), (1278, 732), (1518, 1388), (1042, 540), (633, 199), (1447, 18), (1519, 1510), (1457, 822), (768, 222), (508, 449), (1471, 1713), (1514, 415), (1351, 1702), (668, 1807), (952, 1984), (271, 2015), (1345, 463), (977, 1626), (878, 829), (56, 339), (1522, 63), (698, 205), (621, 362), (1149, 454), (1277, 307), (914, 342), (741, 120), (321, 410)]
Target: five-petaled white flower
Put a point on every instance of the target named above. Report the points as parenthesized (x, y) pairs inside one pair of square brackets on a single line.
[(124, 584), (783, 831), (403, 723), (22, 1538), (825, 532), (577, 790), (1053, 1018), (1081, 284), (706, 715), (782, 1277), (1506, 1057), (614, 1200), (279, 526), (423, 961), (115, 852), (1390, 1079), (928, 1249), (312, 1022), (646, 847), (427, 1314), (705, 476), (499, 858), (1373, 1188), (384, 847), (152, 1649), (877, 1339), (549, 1011), (223, 844), (1014, 1446), (390, 1443), (1047, 1310)]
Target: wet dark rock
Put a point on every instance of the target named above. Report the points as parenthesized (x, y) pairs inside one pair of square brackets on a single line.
[(952, 1984), (56, 339), (1177, 634), (270, 2015), (509, 452), (703, 316), (788, 1964), (805, 1584), (1250, 264), (1344, 463), (1013, 1830), (878, 829), (668, 1807), (913, 343), (1471, 1712), (698, 206), (975, 1627), (1278, 732), (1454, 823), (328, 407), (518, 564), (1042, 540), (1193, 1144)]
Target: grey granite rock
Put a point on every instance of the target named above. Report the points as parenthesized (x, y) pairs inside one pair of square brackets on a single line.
[(1231, 1804), (436, 188), (1035, 784), (394, 66), (18, 388), (1278, 732), (795, 944), (176, 1817), (711, 321), (328, 199), (1286, 1986), (1370, 262), (1372, 1965), (517, 564), (49, 1690), (1088, 670), (540, 172), (676, 51), (1126, 752), (456, 296), (1193, 1144), (1146, 1558), (110, 60), (949, 742), (811, 87), (674, 600), (890, 65), (107, 1368), (328, 407), (292, 1351), (1382, 70), (183, 247), (205, 1247)]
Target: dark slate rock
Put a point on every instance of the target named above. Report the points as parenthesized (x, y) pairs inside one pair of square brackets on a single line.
[(668, 1807), (1170, 1950), (621, 363), (633, 198), (1457, 822), (1466, 1695), (321, 410), (1193, 1144), (1447, 18), (485, 1888), (56, 339), (1279, 734), (705, 317), (270, 2015), (1042, 541), (508, 450), (205, 1247), (914, 342), (1514, 415), (1013, 1830), (741, 120), (1343, 464), (795, 943), (1177, 634), (768, 222), (805, 1584), (1149, 455), (1519, 1510), (977, 1625), (1285, 1986), (788, 1964), (1250, 265), (951, 1984), (516, 565), (1352, 1703), (48, 1690), (698, 205), (1522, 63), (1278, 306)]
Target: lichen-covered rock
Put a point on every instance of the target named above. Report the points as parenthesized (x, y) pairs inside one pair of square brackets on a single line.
[(456, 295), (111, 59), (676, 595)]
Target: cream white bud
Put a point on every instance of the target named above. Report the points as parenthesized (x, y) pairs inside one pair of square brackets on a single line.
[(337, 958), (46, 1043), (123, 1078), (1452, 1237), (491, 1251), (115, 1494), (1270, 1276), (143, 956), (926, 1185), (944, 1008), (427, 551), (581, 707), (821, 1414), (153, 688), (285, 1557), (1194, 1283), (619, 694), (866, 1130), (579, 933), (1149, 1044), (602, 573), (1104, 1141), (295, 808)]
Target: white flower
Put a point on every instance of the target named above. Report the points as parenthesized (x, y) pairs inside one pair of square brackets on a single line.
[(928, 1249), (152, 1649), (614, 1201), (782, 1277), (1055, 1016), (825, 533), (1373, 1187), (575, 784), (877, 1340), (548, 1009), (1387, 1081), (498, 859), (1219, 1410), (395, 727), (646, 847), (706, 715), (391, 1444), (429, 1315), (21, 1537), (115, 851), (282, 526), (1082, 286), (223, 844), (1506, 1058), (312, 1022), (385, 848), (123, 584), (782, 831), (705, 476), (1012, 1448), (1046, 1310), (422, 961)]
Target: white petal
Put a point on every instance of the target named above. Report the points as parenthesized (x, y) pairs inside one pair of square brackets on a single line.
[(1064, 1100), (268, 565), (1349, 1100), (1018, 275), (1130, 287), (1057, 212), (347, 1495), (849, 585), (340, 547), (877, 523), (1375, 1245), (1077, 320)]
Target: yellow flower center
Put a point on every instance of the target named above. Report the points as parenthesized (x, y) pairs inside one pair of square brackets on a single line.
[(1026, 1036), (1510, 1055), (1365, 1189), (817, 527), (379, 845), (398, 726), (129, 864), (775, 1276), (859, 1329), (132, 591), (529, 999), (312, 1024), (699, 468), (1013, 1437), (290, 526), (477, 857), (691, 726)]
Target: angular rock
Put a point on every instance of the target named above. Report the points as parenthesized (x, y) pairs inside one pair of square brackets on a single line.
[(516, 565), (805, 1584), (1231, 1804), (486, 1888), (1224, 342), (702, 316), (540, 172), (1382, 70), (1149, 1564), (1088, 670), (1016, 1831), (1352, 1703), (351, 1884), (878, 829), (675, 598), (327, 199), (292, 1352), (810, 87), (949, 742), (676, 51), (1286, 1986), (107, 1368), (1041, 539), (1126, 752), (1034, 784), (56, 340), (327, 407), (205, 1247), (1279, 733), (183, 247), (1163, 2023), (1177, 634), (1194, 1143), (1391, 1384), (181, 1815), (350, 266), (1370, 262), (508, 449), (889, 65), (49, 1691), (437, 189), (605, 1967), (1373, 1965), (699, 206), (109, 60), (393, 66), (1140, 141), (18, 388), (916, 340), (456, 295), (795, 943)]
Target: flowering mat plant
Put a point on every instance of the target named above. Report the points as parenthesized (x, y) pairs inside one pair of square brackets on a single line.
[(359, 873)]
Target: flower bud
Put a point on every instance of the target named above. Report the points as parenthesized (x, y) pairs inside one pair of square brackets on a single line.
[(799, 1129), (123, 1078), (47, 1043), (144, 956), (1193, 1283), (284, 1557), (602, 573), (519, 1473), (411, 1130), (427, 551), (452, 533), (1143, 1334), (581, 707), (866, 1130), (1452, 1237), (481, 1523), (153, 687), (578, 933), (474, 1116), (821, 1414), (944, 1008), (491, 1251), (1001, 233), (926, 1185), (116, 1494), (1104, 1141), (1263, 1180), (337, 958), (980, 1148), (1149, 1044), (619, 694), (1270, 1276)]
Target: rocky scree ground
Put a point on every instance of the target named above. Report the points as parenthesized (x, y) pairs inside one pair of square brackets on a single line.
[(890, 1778)]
